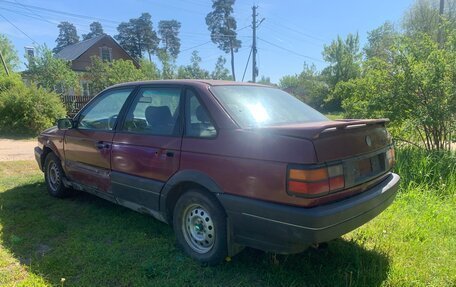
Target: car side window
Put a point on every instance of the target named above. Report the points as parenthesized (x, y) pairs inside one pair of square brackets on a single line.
[(102, 112), (197, 122), (154, 111)]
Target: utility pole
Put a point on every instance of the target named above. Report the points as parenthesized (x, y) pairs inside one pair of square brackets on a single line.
[(4, 63), (255, 25), (254, 49), (441, 10)]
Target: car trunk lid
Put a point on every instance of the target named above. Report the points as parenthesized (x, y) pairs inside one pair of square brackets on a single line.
[(361, 148), (335, 140)]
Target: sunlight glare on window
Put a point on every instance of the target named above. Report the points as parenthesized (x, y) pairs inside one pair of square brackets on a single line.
[(258, 112)]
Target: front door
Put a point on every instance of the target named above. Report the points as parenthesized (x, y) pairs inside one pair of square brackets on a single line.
[(88, 145), (146, 148)]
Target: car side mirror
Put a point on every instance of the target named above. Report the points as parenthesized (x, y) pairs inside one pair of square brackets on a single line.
[(64, 124)]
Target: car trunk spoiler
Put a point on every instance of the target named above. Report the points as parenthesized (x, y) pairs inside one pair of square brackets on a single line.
[(314, 130)]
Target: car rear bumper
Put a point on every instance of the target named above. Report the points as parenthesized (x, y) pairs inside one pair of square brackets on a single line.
[(38, 154), (289, 229)]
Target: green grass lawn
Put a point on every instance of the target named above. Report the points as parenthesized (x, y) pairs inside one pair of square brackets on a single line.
[(91, 242)]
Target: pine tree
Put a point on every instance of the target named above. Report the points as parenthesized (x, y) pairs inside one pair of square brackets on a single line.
[(67, 36), (222, 26), (95, 30)]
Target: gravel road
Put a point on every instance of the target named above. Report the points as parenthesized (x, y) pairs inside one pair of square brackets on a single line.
[(11, 150)]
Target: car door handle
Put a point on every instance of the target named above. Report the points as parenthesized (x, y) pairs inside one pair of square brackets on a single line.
[(102, 145), (169, 154)]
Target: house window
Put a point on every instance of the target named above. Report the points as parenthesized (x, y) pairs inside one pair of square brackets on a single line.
[(106, 53), (85, 88), (59, 88)]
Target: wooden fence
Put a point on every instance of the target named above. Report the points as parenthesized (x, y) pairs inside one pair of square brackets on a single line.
[(74, 103)]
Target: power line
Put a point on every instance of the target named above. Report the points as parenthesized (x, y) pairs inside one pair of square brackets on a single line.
[(196, 46), (295, 30), (245, 27), (290, 51), (300, 32), (218, 36), (80, 27), (25, 7), (61, 12), (28, 15), (34, 15), (281, 34), (24, 13), (12, 24), (202, 44), (178, 8), (43, 19)]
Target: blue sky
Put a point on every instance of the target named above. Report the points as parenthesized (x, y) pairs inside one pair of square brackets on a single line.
[(292, 33)]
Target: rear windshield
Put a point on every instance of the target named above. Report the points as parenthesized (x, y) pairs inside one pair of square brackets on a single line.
[(254, 106)]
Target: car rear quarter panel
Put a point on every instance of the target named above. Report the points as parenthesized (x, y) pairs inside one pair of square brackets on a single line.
[(247, 163)]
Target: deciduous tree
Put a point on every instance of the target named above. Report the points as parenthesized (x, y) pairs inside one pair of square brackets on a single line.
[(168, 67), (194, 70), (51, 73), (309, 86), (9, 54), (101, 74), (149, 70), (220, 72), (380, 42), (417, 89), (265, 81), (344, 60), (423, 17)]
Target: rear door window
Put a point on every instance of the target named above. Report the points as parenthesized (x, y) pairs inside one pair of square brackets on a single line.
[(154, 111)]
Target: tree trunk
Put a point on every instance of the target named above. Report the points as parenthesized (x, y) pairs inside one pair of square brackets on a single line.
[(232, 63)]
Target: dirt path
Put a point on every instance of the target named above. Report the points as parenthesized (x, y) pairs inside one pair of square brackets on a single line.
[(11, 150)]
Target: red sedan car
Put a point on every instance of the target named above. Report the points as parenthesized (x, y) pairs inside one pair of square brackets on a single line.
[(227, 164)]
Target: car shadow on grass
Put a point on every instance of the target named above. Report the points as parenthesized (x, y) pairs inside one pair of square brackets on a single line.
[(92, 242)]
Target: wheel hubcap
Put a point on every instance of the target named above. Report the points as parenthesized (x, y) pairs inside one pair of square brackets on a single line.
[(198, 228), (53, 176)]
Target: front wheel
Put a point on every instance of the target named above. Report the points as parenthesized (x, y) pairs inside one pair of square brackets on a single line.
[(199, 222), (53, 175)]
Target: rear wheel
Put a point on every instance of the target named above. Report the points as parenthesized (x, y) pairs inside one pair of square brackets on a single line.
[(199, 222), (53, 175)]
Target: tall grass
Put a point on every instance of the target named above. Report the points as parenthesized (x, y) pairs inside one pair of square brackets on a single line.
[(433, 171)]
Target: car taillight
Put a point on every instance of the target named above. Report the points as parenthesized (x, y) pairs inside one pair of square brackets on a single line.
[(315, 182), (390, 158)]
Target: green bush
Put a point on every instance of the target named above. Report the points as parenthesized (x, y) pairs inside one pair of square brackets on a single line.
[(27, 110)]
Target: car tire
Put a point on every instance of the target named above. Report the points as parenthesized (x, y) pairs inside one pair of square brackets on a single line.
[(199, 223), (53, 176)]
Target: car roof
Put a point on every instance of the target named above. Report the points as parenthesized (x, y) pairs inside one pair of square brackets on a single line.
[(189, 82)]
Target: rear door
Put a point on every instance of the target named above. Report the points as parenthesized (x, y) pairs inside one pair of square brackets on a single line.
[(146, 147), (87, 146)]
